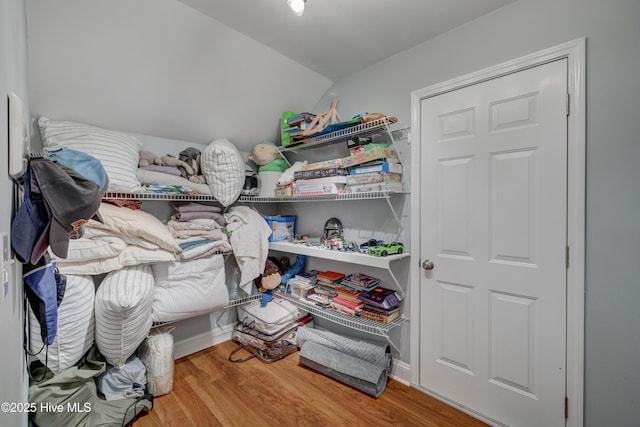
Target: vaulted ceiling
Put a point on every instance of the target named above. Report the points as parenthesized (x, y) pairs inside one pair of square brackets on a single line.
[(336, 37), (196, 70)]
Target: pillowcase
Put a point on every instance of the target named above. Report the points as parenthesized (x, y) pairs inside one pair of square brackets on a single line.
[(130, 256), (75, 326), (189, 289), (118, 152), (137, 223), (223, 168), (123, 307)]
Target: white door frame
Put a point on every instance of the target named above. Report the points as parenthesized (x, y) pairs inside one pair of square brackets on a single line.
[(574, 52)]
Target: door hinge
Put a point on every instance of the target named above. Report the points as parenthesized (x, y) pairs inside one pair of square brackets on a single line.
[(567, 257), (566, 408), (568, 104)]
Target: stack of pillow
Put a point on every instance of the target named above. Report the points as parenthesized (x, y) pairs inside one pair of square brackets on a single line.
[(221, 162)]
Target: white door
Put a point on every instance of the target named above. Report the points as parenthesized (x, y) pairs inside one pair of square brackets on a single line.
[(494, 224)]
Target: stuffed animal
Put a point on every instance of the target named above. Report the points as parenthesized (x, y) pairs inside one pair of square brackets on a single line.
[(191, 156), (287, 175), (270, 279), (147, 158), (296, 268), (169, 160), (264, 153)]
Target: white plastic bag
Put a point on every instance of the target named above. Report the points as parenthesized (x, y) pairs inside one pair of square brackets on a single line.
[(157, 355)]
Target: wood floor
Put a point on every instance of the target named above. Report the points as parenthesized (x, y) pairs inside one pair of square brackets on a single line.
[(208, 390)]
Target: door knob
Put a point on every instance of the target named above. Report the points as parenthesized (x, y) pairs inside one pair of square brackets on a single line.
[(428, 265)]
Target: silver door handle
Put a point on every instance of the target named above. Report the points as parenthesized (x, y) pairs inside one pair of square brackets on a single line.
[(428, 265)]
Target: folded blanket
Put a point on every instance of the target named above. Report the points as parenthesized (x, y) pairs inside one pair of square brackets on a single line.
[(188, 216), (194, 224), (203, 234), (193, 252), (171, 170), (193, 207)]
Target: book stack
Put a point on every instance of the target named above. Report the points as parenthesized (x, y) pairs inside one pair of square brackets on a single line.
[(346, 301), (359, 282), (297, 124), (380, 305), (302, 284), (345, 306), (327, 282)]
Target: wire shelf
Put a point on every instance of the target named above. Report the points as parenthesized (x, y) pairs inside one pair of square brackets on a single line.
[(159, 196), (339, 135), (321, 198), (357, 323), (232, 303)]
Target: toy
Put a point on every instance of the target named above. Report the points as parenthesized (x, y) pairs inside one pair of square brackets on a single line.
[(287, 175), (323, 119), (169, 160), (296, 268), (333, 229), (386, 248), (264, 153), (191, 156), (147, 158), (270, 278)]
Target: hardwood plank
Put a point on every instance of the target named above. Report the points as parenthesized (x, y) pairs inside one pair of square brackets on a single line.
[(209, 390)]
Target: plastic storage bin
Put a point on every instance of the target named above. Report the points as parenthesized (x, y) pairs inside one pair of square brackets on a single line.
[(282, 227)]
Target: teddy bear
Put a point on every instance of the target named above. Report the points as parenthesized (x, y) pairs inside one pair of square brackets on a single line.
[(264, 153), (147, 158)]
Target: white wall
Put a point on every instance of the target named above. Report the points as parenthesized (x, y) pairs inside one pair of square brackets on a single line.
[(159, 67), (13, 78), (612, 382)]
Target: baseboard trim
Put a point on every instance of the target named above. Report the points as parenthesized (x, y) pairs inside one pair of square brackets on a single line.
[(401, 372), (202, 341)]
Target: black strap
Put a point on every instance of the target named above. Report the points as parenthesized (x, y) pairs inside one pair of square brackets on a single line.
[(237, 349)]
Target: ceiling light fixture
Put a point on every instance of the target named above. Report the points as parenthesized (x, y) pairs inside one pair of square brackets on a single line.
[(296, 6)]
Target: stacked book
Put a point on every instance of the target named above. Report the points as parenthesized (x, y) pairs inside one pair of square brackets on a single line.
[(302, 283), (327, 282), (315, 182), (380, 305), (346, 301), (346, 306), (297, 124), (359, 282)]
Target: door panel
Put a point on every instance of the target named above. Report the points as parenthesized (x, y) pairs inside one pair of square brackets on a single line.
[(493, 220)]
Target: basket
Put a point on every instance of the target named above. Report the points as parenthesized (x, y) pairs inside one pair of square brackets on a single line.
[(283, 227)]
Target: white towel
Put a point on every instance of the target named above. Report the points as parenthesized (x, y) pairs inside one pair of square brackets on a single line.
[(250, 242)]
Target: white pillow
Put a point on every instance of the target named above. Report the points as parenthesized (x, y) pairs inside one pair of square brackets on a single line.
[(223, 168), (188, 289), (130, 256), (118, 152), (75, 326), (123, 312), (135, 222)]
